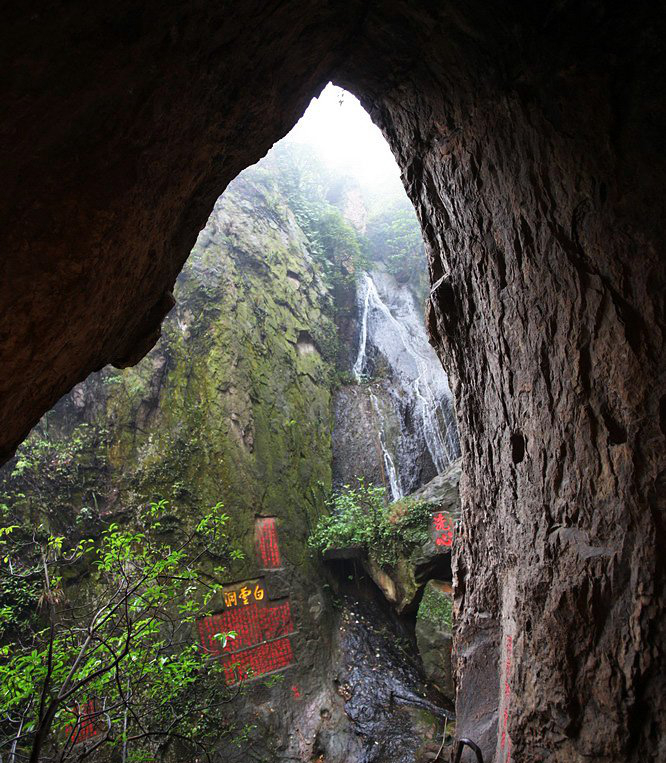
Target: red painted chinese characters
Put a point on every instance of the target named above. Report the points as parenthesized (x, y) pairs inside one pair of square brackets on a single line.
[(252, 626), (442, 528), (261, 643), (85, 726), (505, 741), (261, 659), (267, 542)]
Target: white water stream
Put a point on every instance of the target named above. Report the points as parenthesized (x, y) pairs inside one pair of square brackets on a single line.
[(390, 326), (389, 465)]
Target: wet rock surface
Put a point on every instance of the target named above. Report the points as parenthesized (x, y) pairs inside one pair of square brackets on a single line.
[(531, 141), (434, 636), (402, 583), (380, 680)]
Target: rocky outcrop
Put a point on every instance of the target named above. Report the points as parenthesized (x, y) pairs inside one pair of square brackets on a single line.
[(417, 582), (403, 582), (227, 407), (106, 188), (530, 139), (434, 636), (528, 144)]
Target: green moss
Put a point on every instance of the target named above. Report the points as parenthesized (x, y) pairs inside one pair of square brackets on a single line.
[(436, 607), (227, 407)]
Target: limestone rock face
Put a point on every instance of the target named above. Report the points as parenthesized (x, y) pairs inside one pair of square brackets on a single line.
[(225, 408), (530, 139)]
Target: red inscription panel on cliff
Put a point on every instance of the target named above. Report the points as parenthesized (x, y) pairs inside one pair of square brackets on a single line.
[(258, 630), (267, 542), (257, 661), (86, 726), (505, 740), (252, 625), (260, 644)]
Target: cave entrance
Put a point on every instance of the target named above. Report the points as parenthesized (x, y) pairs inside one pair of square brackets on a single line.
[(394, 419), (529, 137), (293, 378)]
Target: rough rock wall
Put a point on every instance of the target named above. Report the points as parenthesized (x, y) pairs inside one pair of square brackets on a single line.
[(530, 146), (122, 125), (529, 137)]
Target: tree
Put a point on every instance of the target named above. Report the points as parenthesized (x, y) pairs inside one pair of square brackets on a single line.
[(116, 666), (395, 238)]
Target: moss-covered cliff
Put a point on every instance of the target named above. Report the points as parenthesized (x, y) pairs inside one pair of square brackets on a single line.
[(235, 405), (232, 405)]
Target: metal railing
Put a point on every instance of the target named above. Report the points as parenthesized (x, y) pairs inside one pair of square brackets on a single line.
[(462, 743)]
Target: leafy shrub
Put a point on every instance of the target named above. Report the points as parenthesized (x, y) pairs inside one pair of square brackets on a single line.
[(113, 654), (360, 517)]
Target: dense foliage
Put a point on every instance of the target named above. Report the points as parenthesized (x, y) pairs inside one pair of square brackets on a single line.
[(49, 473), (115, 664), (395, 237), (360, 517)]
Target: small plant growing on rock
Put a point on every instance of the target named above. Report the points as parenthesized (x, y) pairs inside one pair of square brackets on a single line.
[(359, 517), (436, 607)]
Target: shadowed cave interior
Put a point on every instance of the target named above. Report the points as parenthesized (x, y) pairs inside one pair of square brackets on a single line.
[(529, 141)]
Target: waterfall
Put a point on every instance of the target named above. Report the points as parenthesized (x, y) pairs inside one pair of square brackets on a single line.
[(390, 327), (364, 296), (389, 465)]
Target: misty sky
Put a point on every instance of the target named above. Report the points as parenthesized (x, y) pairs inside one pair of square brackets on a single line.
[(344, 137)]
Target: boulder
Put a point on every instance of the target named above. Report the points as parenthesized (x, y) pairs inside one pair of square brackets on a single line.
[(434, 636), (404, 581)]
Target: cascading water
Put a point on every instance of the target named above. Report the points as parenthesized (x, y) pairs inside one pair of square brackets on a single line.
[(389, 465), (396, 361), (364, 296)]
